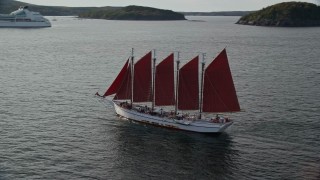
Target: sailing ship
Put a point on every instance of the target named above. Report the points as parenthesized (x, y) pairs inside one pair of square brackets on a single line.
[(143, 83)]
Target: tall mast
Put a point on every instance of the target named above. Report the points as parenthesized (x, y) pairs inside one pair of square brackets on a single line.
[(153, 77), (132, 74), (201, 85), (177, 85)]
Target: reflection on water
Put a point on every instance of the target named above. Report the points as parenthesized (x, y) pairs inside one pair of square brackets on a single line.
[(167, 154)]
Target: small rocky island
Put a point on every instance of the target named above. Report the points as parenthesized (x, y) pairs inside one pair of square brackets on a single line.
[(287, 14), (133, 13)]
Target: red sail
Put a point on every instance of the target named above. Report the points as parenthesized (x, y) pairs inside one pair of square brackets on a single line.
[(219, 94), (188, 93), (164, 82), (124, 91), (142, 79), (118, 81)]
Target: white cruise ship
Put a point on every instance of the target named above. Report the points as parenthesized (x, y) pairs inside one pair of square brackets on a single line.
[(23, 18)]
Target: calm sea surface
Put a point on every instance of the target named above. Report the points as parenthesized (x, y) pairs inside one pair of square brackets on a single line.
[(52, 126)]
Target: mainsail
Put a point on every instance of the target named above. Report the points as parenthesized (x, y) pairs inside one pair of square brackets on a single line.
[(188, 88), (164, 82), (142, 79), (219, 94)]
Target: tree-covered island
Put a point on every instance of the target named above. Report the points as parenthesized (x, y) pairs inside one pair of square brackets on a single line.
[(133, 13), (287, 14), (112, 13)]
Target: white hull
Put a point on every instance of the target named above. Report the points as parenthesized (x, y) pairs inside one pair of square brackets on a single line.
[(35, 24), (23, 18), (201, 126)]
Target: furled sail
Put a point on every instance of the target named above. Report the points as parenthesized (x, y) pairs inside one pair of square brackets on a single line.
[(164, 82), (142, 79), (219, 94), (188, 91), (118, 81)]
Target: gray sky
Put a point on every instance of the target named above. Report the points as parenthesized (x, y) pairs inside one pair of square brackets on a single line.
[(176, 5)]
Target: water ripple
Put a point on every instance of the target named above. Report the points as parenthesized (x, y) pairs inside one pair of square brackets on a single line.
[(51, 127)]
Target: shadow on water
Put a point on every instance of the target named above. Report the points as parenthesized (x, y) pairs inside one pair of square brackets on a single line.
[(150, 152)]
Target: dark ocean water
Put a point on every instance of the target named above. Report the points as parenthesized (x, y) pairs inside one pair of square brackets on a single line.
[(52, 127)]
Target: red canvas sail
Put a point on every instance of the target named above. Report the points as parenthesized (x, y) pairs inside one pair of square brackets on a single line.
[(142, 79), (124, 91), (118, 81), (188, 93), (164, 82), (219, 94)]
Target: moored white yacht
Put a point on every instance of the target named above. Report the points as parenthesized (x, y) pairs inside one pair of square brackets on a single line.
[(23, 18)]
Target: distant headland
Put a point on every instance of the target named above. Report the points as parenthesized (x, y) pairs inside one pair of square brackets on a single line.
[(287, 14)]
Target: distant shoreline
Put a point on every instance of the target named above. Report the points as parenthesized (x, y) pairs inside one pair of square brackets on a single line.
[(7, 6)]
